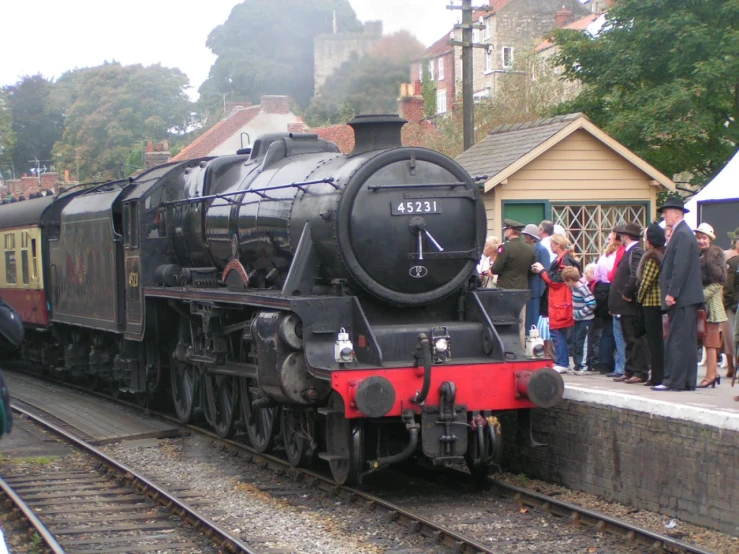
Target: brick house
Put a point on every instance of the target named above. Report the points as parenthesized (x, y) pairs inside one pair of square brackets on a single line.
[(241, 125), (512, 26)]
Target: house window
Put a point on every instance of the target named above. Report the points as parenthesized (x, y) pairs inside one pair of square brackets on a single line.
[(507, 57), (487, 33), (588, 225), (489, 59), (441, 101), (431, 69), (441, 69), (420, 71)]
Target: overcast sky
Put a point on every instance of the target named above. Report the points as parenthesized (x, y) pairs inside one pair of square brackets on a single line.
[(53, 36)]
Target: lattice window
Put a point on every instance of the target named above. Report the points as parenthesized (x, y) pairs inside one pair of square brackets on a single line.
[(588, 225)]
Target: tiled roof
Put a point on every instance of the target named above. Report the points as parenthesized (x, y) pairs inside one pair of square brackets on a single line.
[(219, 133), (579, 25), (507, 143), (438, 48), (412, 134)]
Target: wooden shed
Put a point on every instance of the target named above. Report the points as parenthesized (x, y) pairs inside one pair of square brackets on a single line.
[(567, 170)]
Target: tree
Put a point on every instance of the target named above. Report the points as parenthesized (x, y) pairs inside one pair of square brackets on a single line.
[(369, 84), (662, 77), (109, 110), (266, 47), (7, 136), (35, 124)]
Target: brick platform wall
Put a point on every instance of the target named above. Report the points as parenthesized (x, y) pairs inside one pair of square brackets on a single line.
[(678, 468)]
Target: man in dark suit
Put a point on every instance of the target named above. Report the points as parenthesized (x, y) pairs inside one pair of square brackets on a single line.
[(682, 290), (622, 303)]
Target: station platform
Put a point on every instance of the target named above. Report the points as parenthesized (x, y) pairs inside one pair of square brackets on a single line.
[(673, 453), (713, 407)]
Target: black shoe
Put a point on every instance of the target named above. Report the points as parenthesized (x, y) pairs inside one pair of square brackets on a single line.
[(613, 374)]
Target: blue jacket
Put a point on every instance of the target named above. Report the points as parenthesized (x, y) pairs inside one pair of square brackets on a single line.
[(536, 283)]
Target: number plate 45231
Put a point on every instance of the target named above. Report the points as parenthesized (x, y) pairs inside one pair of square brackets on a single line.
[(412, 207)]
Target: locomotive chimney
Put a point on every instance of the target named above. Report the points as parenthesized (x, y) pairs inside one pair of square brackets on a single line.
[(376, 132)]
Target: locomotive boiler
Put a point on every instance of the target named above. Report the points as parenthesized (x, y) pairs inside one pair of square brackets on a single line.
[(324, 304)]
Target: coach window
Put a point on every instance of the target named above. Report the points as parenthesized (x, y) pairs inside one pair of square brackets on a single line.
[(34, 260), (24, 258), (11, 274)]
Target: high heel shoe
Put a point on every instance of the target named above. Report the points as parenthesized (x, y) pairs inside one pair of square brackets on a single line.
[(710, 383)]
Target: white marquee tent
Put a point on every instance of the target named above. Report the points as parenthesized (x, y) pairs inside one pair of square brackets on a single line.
[(723, 187)]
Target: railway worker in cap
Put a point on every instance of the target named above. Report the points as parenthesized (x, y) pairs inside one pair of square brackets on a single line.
[(682, 293), (513, 264), (537, 286), (514, 259)]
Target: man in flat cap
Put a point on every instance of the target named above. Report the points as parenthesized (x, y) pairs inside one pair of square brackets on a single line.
[(682, 291), (627, 312), (514, 260)]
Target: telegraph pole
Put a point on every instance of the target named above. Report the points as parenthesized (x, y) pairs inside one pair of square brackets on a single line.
[(468, 105)]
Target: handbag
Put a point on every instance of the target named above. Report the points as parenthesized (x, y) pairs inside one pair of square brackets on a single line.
[(700, 324)]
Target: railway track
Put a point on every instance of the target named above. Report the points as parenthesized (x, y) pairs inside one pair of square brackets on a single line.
[(457, 542), (115, 510)]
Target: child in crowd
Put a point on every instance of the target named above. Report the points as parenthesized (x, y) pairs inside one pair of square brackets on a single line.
[(583, 306)]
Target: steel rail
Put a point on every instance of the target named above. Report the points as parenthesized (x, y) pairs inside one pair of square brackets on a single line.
[(601, 522), (49, 541), (223, 538)]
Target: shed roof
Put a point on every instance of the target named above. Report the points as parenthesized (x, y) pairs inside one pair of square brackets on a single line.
[(508, 148)]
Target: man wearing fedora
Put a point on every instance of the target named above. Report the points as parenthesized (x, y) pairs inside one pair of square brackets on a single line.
[(680, 283), (622, 302)]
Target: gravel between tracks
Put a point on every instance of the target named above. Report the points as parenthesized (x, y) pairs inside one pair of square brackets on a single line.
[(269, 512), (707, 539)]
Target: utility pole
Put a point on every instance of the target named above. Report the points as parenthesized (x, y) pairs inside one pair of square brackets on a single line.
[(223, 94), (468, 105)]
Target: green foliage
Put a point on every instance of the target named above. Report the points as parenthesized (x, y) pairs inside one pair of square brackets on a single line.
[(369, 84), (109, 110), (7, 135), (266, 47), (428, 91), (663, 79), (35, 123)]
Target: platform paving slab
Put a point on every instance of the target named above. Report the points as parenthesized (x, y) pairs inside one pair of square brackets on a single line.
[(99, 419)]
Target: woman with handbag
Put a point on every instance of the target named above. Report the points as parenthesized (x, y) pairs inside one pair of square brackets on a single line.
[(713, 276)]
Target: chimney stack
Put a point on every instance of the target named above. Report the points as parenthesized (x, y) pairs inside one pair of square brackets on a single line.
[(564, 17), (410, 103)]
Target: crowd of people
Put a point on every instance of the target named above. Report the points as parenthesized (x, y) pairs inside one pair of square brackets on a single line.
[(639, 313)]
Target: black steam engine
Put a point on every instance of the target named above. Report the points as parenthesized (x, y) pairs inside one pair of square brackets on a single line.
[(329, 301)]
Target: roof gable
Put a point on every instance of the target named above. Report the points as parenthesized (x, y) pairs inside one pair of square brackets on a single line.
[(218, 134), (509, 148)]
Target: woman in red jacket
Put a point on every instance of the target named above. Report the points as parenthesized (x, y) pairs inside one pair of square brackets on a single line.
[(560, 299)]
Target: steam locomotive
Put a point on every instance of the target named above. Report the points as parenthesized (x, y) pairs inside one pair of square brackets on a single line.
[(325, 304)]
